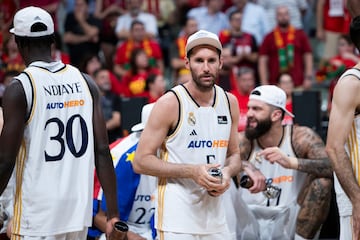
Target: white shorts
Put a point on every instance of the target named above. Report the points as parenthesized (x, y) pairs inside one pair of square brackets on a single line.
[(181, 236), (80, 235), (345, 228)]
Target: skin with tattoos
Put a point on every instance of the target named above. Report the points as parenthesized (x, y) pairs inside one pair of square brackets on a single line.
[(311, 158)]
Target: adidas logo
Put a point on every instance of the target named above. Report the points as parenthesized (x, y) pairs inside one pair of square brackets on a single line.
[(193, 133)]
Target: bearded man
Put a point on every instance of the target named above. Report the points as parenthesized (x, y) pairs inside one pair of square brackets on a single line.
[(294, 165)]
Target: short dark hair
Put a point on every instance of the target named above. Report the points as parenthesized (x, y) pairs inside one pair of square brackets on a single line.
[(36, 42), (354, 31), (244, 70), (149, 80), (233, 13), (136, 22)]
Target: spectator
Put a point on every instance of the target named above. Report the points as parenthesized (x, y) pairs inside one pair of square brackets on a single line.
[(226, 78), (7, 9), (332, 20), (210, 17), (136, 200), (110, 104), (178, 17), (254, 20), (155, 87), (134, 81), (134, 12), (245, 83), (331, 69), (181, 73), (161, 9), (81, 32), (108, 11), (297, 9), (244, 50), (137, 39), (295, 164), (91, 63), (286, 83), (57, 51), (10, 57), (286, 49)]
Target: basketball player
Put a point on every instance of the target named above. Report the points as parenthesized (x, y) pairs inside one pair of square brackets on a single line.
[(343, 144), (53, 131), (195, 126), (136, 200), (294, 162)]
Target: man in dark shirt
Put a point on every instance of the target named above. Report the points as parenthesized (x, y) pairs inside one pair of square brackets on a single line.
[(81, 32), (110, 104)]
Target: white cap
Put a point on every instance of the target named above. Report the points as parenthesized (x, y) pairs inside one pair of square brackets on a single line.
[(203, 37), (272, 95), (25, 18), (145, 113)]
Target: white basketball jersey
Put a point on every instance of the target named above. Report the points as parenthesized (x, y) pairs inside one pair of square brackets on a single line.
[(55, 165), (352, 149), (283, 209), (288, 180), (144, 205), (200, 137)]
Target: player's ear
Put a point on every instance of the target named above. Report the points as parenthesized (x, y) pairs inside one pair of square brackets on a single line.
[(276, 114), (187, 62)]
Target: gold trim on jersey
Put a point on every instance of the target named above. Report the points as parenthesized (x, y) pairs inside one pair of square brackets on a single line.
[(353, 146), (180, 118), (20, 162), (32, 110), (161, 191)]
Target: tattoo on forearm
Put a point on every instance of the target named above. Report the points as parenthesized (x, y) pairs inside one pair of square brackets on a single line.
[(318, 167), (310, 150)]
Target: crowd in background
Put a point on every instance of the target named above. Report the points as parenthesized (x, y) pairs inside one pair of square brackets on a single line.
[(136, 48)]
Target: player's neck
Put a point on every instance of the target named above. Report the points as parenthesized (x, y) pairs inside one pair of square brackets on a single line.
[(201, 97), (273, 137)]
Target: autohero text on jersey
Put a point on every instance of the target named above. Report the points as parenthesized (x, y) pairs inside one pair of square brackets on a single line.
[(208, 144)]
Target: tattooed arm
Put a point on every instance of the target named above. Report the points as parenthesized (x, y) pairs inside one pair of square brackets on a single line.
[(314, 196), (310, 149)]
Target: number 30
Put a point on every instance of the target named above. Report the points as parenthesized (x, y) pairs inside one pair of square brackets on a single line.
[(68, 136)]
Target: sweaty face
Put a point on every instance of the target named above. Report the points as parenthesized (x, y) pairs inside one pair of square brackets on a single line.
[(204, 64)]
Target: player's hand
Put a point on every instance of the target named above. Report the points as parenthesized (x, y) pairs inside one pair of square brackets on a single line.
[(275, 155), (224, 184), (134, 236), (202, 177), (256, 176), (110, 229), (9, 228)]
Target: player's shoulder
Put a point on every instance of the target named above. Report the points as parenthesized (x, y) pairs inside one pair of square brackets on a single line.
[(303, 133)]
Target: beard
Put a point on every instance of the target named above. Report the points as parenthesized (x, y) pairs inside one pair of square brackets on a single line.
[(284, 24), (203, 86), (261, 128)]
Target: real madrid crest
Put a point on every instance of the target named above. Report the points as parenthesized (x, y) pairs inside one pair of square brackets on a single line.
[(191, 119)]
